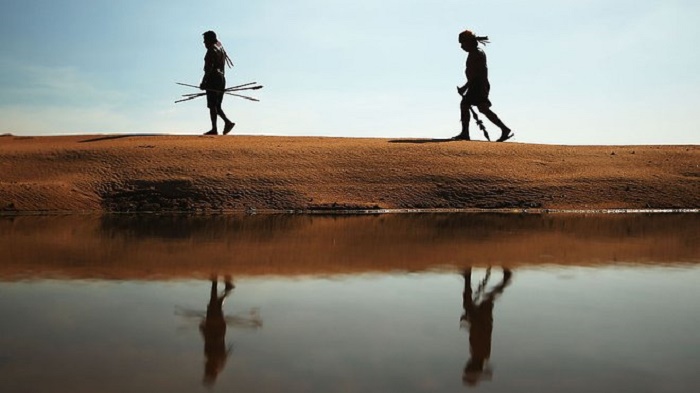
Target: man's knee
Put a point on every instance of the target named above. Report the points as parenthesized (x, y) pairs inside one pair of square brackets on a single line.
[(484, 108)]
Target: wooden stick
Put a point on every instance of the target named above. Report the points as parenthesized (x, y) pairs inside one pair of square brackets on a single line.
[(212, 90), (185, 84), (227, 91), (193, 96), (242, 96), (234, 88), (215, 90), (245, 88), (480, 123), (187, 99), (245, 84)]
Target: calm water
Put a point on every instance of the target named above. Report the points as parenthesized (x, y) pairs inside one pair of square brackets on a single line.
[(401, 303)]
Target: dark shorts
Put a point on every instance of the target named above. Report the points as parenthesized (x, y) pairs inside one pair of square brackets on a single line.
[(478, 94), (215, 99)]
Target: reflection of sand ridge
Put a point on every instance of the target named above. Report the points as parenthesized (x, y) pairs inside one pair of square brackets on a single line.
[(145, 247)]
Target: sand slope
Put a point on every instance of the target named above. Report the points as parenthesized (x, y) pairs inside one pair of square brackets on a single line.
[(198, 173)]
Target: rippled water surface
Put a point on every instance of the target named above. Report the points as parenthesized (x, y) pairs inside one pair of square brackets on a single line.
[(397, 303)]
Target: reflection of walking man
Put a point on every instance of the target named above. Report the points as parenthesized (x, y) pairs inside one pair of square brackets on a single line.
[(478, 314), (213, 328)]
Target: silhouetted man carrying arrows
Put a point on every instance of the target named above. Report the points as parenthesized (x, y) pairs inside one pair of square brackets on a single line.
[(214, 82), (476, 91)]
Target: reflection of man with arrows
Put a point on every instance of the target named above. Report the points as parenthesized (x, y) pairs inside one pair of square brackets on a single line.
[(212, 325), (214, 82), (213, 328)]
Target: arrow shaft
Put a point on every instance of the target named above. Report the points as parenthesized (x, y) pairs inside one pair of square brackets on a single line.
[(228, 91)]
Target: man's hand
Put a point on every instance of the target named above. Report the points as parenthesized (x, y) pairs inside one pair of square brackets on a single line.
[(201, 86), (461, 90)]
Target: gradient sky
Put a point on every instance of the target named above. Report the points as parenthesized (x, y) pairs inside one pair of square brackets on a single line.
[(561, 71)]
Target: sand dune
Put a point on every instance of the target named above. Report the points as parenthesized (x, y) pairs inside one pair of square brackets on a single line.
[(136, 173)]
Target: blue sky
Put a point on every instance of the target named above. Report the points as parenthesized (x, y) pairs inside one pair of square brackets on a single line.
[(562, 71)]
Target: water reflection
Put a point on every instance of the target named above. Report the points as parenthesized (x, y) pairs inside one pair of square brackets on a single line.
[(351, 304), (478, 317), (544, 328), (156, 247), (213, 329), (213, 325)]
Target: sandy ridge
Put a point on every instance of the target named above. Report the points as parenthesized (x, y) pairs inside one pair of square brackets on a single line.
[(134, 173)]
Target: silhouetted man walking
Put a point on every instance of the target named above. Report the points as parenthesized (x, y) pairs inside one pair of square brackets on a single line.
[(214, 82), (476, 91)]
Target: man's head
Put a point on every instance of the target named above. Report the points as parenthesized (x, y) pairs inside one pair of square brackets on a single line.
[(467, 40), (210, 38)]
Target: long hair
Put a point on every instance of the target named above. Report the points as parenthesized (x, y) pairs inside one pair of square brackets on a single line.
[(210, 36), (483, 40)]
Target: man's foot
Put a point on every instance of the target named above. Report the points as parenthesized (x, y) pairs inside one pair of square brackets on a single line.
[(505, 135), (212, 132), (228, 127), (461, 137), (507, 273)]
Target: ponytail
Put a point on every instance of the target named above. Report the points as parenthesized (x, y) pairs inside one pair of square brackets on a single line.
[(467, 36)]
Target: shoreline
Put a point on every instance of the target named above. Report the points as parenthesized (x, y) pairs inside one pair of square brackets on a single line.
[(360, 212)]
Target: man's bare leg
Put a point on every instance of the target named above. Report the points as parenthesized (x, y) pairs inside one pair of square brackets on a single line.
[(212, 115), (228, 126), (466, 118), (505, 131)]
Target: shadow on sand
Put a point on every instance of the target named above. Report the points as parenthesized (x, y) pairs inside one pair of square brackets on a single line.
[(110, 137), (420, 141)]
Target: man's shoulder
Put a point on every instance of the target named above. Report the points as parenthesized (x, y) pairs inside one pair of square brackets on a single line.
[(477, 56)]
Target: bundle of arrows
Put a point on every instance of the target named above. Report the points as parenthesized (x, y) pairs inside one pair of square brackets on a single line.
[(229, 90)]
